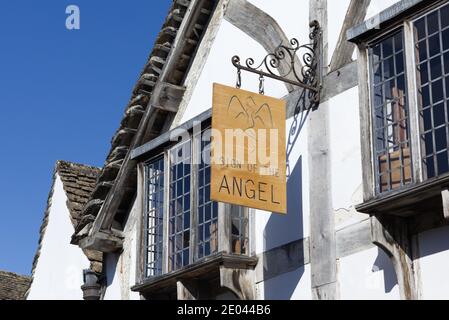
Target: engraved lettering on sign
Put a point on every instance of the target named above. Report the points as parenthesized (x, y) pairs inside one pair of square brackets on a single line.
[(248, 149)]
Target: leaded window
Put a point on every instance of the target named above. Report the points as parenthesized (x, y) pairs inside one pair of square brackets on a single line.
[(391, 121), (425, 108), (179, 206), (182, 224), (154, 216), (431, 34), (239, 230), (207, 209)]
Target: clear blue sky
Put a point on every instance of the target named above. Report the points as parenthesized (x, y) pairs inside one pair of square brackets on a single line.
[(62, 95)]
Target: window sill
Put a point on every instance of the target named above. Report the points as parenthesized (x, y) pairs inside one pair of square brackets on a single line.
[(410, 201), (206, 269)]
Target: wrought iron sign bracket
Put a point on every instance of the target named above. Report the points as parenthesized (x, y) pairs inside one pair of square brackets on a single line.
[(307, 75)]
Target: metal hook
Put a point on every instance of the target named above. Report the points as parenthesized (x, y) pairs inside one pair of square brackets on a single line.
[(239, 79), (261, 84)]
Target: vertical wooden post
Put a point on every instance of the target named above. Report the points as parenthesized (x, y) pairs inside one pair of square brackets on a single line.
[(391, 234), (240, 282), (195, 161), (412, 100), (224, 228), (365, 123), (141, 192), (165, 221), (186, 290), (322, 225), (445, 199)]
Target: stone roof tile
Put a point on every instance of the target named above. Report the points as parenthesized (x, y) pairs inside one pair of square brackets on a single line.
[(13, 286)]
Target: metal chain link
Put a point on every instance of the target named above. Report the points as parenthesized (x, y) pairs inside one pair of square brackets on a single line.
[(239, 79), (261, 84)]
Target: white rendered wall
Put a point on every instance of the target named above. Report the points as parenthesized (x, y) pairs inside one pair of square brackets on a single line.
[(112, 267), (59, 270), (346, 162), (367, 275), (121, 269), (337, 13), (377, 6), (434, 263), (293, 285)]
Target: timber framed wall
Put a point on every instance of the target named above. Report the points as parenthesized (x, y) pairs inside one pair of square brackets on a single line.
[(323, 242)]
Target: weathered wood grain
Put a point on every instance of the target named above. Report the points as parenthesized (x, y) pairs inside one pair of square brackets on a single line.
[(391, 234), (412, 102), (239, 173), (322, 225), (354, 238), (239, 281), (291, 256), (140, 260), (334, 83), (339, 81), (445, 198), (262, 28), (365, 124), (282, 259), (112, 202), (343, 52)]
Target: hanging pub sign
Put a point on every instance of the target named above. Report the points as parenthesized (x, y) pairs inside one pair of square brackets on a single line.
[(248, 163)]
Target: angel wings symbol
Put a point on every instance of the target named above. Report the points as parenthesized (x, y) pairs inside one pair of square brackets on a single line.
[(253, 117)]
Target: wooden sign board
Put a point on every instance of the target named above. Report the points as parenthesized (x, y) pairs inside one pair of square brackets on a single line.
[(248, 163)]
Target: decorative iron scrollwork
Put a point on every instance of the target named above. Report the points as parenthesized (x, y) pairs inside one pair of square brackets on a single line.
[(282, 64)]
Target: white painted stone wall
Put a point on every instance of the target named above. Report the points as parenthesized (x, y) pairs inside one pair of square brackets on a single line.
[(377, 6), (112, 268), (434, 263), (367, 275), (121, 268), (59, 270), (293, 285)]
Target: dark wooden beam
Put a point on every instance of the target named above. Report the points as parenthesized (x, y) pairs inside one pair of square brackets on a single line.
[(104, 242), (170, 98)]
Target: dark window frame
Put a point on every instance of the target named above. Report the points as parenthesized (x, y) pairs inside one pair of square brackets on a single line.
[(164, 150), (179, 205), (386, 122), (158, 270), (418, 174), (441, 76)]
